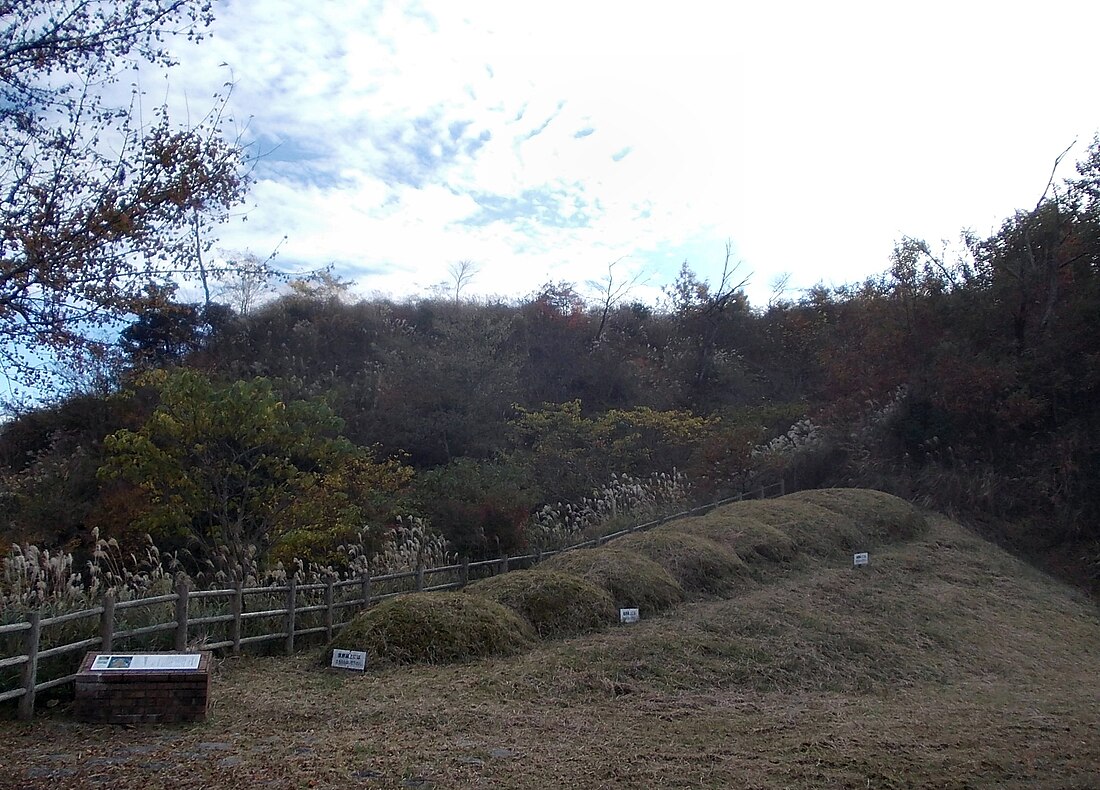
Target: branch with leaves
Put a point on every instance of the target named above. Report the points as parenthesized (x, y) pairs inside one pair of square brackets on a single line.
[(96, 204)]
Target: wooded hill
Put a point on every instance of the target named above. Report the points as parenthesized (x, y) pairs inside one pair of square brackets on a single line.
[(967, 378)]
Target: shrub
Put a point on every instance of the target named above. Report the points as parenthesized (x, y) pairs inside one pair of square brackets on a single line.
[(435, 628), (632, 580), (697, 563), (482, 506), (556, 604)]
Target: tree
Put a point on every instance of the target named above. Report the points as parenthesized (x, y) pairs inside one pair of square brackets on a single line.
[(246, 281), (164, 333), (462, 274), (233, 472), (96, 203), (480, 507), (447, 385), (48, 463), (701, 312), (568, 454), (611, 293)]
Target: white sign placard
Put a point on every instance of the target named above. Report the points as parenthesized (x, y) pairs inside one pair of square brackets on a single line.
[(861, 559), (122, 662), (349, 659), (628, 616)]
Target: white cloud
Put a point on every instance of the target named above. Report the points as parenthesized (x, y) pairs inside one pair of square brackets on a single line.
[(545, 142)]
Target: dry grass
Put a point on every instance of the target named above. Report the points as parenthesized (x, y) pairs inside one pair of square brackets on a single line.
[(632, 580), (699, 565), (829, 523), (879, 517), (555, 604), (434, 628), (755, 542), (946, 663)]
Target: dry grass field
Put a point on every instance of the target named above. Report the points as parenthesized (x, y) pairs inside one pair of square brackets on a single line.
[(945, 663)]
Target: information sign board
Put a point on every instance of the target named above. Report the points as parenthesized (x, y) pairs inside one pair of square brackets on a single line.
[(862, 558), (165, 662), (349, 659), (628, 616)]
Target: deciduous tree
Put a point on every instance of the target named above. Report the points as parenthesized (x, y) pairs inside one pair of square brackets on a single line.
[(97, 202), (232, 471)]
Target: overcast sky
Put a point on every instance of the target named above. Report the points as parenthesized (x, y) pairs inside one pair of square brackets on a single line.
[(544, 141)]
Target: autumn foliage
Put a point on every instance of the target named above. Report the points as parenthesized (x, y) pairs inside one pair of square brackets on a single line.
[(966, 376)]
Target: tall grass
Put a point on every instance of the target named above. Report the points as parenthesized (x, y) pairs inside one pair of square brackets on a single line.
[(53, 583), (623, 502)]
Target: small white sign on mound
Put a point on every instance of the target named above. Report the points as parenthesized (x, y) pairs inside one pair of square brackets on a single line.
[(863, 558), (628, 616), (349, 659)]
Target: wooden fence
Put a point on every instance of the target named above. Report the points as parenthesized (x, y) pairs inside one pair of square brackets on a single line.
[(301, 610)]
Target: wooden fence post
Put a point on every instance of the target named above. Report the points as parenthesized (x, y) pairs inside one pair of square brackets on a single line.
[(504, 564), (107, 622), (464, 573), (538, 556), (419, 578), (291, 602), (782, 487), (181, 612), (328, 610), (236, 608), (364, 585), (30, 669)]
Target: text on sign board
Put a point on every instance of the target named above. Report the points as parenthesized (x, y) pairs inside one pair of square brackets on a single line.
[(349, 659)]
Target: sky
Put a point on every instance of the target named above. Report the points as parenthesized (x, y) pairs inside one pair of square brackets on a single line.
[(545, 142)]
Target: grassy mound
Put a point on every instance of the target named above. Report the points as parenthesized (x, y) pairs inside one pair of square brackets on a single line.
[(880, 517), (632, 580), (947, 663), (755, 542), (435, 628), (699, 564), (822, 523), (556, 604), (931, 612), (815, 530)]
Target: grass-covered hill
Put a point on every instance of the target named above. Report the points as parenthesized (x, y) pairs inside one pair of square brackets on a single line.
[(944, 663)]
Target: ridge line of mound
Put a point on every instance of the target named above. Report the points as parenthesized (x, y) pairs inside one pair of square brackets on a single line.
[(717, 554)]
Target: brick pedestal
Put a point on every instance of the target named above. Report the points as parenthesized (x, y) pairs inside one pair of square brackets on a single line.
[(142, 696)]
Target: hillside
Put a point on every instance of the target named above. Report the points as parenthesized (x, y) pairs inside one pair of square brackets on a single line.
[(945, 663)]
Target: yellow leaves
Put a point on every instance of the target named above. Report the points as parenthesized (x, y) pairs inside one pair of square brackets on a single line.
[(564, 424), (236, 467)]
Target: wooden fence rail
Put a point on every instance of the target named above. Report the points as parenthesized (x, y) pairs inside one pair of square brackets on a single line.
[(294, 602)]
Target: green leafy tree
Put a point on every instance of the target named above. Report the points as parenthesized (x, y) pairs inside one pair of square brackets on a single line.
[(480, 507), (235, 473), (568, 454)]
